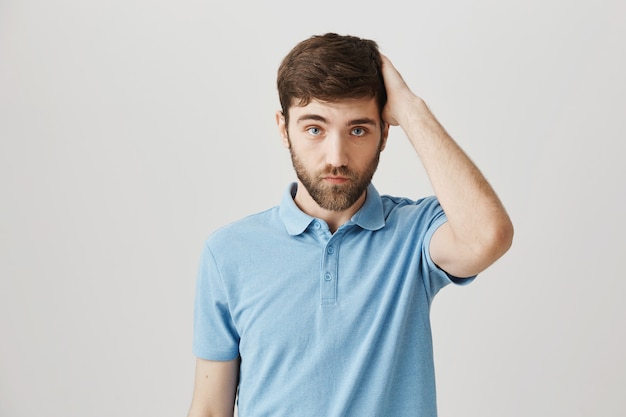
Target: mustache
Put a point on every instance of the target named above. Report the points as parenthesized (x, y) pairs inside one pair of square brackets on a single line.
[(338, 171)]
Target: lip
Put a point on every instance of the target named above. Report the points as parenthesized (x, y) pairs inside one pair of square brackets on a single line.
[(336, 180)]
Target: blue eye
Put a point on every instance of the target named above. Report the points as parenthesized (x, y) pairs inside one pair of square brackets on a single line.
[(358, 131), (314, 131)]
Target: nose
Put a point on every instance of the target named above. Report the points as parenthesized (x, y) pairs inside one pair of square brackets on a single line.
[(336, 152)]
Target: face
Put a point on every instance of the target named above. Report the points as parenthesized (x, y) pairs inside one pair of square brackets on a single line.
[(335, 148)]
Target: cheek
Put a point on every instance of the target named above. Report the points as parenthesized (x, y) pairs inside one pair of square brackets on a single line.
[(363, 156), (306, 151)]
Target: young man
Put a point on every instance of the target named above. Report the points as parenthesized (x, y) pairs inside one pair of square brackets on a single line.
[(320, 306)]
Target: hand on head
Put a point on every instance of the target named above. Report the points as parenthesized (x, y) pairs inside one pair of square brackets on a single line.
[(399, 95)]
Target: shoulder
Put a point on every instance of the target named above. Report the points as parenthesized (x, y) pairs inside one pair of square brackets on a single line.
[(246, 229), (250, 242), (401, 209)]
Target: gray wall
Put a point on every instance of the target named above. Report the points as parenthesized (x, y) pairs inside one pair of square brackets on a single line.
[(129, 130)]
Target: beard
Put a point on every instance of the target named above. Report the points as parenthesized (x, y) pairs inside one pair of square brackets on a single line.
[(335, 197)]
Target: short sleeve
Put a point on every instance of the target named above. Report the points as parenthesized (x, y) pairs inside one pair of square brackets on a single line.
[(215, 336), (435, 277)]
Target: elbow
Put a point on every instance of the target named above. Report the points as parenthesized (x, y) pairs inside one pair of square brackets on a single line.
[(499, 238), (507, 232), (493, 242), (479, 250)]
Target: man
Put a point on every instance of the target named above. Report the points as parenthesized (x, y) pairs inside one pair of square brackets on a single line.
[(320, 306)]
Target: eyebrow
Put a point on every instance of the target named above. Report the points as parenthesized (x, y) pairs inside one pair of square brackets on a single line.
[(363, 121), (318, 118)]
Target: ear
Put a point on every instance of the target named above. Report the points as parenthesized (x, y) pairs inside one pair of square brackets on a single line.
[(282, 128), (385, 135)]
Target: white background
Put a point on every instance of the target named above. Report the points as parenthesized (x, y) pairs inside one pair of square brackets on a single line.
[(129, 130)]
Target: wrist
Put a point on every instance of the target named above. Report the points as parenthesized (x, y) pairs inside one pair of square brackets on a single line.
[(416, 113)]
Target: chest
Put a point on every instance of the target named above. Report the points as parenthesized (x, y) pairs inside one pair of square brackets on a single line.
[(314, 294)]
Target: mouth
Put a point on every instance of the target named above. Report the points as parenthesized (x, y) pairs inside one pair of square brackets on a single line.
[(336, 180)]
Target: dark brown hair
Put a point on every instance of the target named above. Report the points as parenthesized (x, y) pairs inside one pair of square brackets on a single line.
[(330, 67)]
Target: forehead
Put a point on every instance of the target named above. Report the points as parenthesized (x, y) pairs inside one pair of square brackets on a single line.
[(338, 111)]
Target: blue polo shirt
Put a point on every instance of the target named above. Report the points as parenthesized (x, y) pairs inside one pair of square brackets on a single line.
[(332, 325)]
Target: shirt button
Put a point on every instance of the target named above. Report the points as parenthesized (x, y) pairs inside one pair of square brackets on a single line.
[(327, 276), (330, 250), (316, 225)]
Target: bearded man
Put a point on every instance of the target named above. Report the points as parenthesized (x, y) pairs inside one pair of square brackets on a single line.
[(320, 306)]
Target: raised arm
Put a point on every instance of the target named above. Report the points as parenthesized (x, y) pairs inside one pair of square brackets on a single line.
[(215, 388), (478, 231)]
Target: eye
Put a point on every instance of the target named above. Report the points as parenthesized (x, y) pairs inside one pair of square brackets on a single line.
[(359, 131), (314, 131)]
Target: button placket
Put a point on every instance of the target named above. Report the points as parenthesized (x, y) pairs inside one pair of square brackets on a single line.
[(330, 267)]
